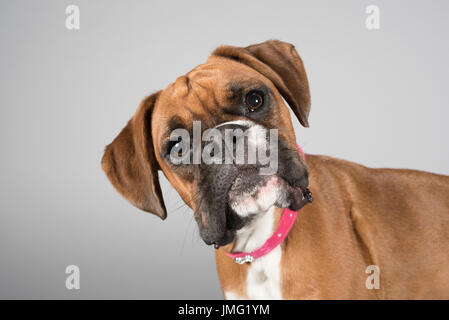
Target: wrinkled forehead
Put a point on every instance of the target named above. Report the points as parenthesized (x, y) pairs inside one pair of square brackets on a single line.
[(207, 94)]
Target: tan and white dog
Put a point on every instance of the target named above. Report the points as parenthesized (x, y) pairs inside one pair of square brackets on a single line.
[(394, 220)]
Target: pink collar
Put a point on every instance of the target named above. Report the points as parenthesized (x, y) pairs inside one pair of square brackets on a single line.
[(285, 224)]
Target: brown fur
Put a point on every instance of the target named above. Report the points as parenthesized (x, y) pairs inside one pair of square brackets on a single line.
[(395, 219)]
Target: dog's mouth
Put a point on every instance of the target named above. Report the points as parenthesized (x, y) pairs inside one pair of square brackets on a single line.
[(252, 195), (256, 194)]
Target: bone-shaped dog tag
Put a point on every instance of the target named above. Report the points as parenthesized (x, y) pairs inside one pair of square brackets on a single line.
[(242, 260)]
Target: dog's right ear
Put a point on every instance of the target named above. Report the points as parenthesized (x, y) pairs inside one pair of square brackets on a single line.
[(280, 62), (130, 163)]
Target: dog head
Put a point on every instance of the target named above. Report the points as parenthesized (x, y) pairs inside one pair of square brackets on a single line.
[(237, 91)]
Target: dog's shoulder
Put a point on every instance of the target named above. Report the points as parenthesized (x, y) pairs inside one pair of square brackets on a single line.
[(334, 166), (316, 162), (377, 183)]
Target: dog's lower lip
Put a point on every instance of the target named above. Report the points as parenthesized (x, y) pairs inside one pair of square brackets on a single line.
[(227, 238), (296, 196)]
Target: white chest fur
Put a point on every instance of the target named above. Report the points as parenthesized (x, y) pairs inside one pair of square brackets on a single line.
[(264, 277)]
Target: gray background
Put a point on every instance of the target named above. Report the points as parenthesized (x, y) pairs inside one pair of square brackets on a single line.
[(379, 98)]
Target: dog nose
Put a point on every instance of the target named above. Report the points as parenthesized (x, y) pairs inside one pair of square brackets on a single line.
[(233, 135), (230, 143)]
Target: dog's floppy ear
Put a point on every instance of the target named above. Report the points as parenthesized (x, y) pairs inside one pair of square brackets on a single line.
[(130, 163), (279, 62)]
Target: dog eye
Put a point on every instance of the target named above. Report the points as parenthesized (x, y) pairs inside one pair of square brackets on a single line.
[(254, 100), (176, 146)]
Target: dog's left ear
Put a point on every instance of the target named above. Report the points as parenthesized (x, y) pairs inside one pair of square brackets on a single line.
[(279, 62), (130, 162)]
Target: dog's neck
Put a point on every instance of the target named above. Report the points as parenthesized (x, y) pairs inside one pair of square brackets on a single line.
[(253, 235), (263, 275)]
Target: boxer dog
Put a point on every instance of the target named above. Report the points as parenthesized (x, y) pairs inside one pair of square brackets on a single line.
[(368, 234)]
